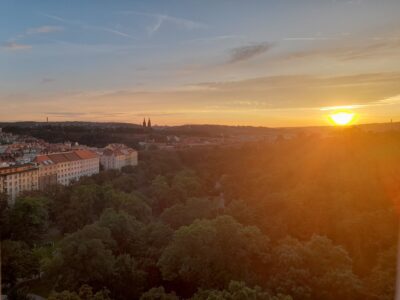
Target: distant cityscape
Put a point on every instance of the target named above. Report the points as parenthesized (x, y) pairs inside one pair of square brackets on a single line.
[(29, 164)]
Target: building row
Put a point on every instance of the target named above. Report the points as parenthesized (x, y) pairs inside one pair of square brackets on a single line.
[(46, 170), (62, 168)]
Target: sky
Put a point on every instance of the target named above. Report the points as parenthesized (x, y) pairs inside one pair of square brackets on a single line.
[(260, 63)]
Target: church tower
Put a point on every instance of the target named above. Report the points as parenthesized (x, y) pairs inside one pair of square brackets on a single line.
[(144, 122), (149, 123)]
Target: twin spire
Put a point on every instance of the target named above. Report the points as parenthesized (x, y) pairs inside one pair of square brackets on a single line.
[(148, 123)]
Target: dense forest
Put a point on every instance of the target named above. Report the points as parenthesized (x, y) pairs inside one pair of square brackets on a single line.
[(306, 218), (97, 136)]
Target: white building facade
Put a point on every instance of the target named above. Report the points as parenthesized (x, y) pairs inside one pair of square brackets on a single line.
[(16, 179), (67, 166), (116, 156)]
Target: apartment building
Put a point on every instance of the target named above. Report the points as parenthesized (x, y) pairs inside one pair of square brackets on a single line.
[(47, 171), (17, 179), (116, 156), (65, 167)]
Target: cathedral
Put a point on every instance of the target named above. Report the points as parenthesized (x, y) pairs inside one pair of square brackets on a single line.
[(148, 124)]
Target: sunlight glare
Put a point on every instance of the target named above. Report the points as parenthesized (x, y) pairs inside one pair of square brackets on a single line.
[(342, 118)]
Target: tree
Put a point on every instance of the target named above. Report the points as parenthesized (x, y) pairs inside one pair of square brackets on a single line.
[(135, 205), (184, 214), (185, 184), (29, 219), (160, 193), (4, 216), (316, 269), (128, 280), (213, 252), (242, 212), (125, 183), (125, 230), (85, 293), (238, 291), (17, 262), (82, 205), (158, 294), (156, 236), (64, 295), (84, 257), (382, 281)]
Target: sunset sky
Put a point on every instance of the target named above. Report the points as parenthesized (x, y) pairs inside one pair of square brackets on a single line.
[(262, 63)]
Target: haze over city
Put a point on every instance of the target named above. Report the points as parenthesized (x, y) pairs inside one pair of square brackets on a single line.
[(264, 63), (200, 150)]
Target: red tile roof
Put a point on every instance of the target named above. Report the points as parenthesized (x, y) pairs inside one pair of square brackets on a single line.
[(86, 154), (65, 156), (41, 158)]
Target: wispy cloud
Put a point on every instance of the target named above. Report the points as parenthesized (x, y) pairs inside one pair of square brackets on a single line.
[(161, 19), (110, 30), (57, 18), (14, 46), (329, 108), (346, 48), (310, 38), (44, 29), (47, 80), (13, 43), (307, 90), (211, 39), (249, 51), (84, 25)]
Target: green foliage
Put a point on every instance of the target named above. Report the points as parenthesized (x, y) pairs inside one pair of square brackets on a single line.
[(125, 230), (79, 206), (213, 252), (315, 269), (29, 219), (185, 184), (17, 261), (237, 291), (84, 257), (315, 220), (128, 280), (382, 281), (134, 205), (4, 217), (184, 214), (161, 194), (85, 293), (155, 238), (158, 294), (64, 295)]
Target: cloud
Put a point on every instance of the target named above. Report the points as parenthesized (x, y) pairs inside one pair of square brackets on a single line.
[(310, 38), (44, 29), (270, 93), (247, 52), (262, 100), (57, 18), (82, 115), (84, 25), (66, 114), (161, 19), (214, 39), (295, 91), (108, 30), (47, 80), (347, 49), (14, 46)]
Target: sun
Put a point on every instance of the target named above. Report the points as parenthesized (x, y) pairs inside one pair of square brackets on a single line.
[(342, 118)]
